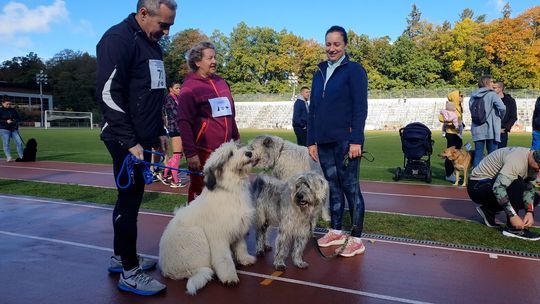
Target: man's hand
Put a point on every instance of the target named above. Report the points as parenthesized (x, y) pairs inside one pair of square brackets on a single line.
[(313, 152), (137, 151), (503, 131), (516, 222), (194, 163), (528, 219), (355, 150)]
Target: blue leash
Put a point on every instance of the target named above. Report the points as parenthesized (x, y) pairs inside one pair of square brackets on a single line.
[(131, 160)]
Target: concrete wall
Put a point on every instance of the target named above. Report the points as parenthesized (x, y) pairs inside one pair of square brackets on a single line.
[(383, 114)]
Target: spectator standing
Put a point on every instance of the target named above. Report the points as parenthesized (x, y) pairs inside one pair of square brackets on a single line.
[(171, 113), (300, 116), (206, 113), (503, 182), (510, 117), (9, 128), (453, 132), (488, 134), (535, 145), (129, 87), (337, 116)]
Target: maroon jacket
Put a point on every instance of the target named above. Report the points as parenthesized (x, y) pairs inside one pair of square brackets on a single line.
[(201, 131)]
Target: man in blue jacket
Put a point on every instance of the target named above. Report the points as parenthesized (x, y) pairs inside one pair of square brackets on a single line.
[(130, 88), (300, 116), (337, 116)]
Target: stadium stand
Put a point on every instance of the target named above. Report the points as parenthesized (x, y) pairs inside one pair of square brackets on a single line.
[(383, 114)]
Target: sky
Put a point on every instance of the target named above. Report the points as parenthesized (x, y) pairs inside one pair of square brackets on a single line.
[(47, 27)]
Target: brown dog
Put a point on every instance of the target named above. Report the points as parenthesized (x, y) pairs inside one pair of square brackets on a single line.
[(462, 161)]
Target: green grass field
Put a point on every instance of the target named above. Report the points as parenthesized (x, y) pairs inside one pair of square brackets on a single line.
[(84, 145)]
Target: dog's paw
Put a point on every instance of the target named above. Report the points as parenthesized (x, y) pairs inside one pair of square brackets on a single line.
[(229, 279), (260, 253), (247, 260), (280, 266), (301, 264)]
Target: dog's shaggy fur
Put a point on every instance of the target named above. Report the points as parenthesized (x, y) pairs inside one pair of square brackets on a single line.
[(462, 160), (285, 159), (293, 206), (197, 242)]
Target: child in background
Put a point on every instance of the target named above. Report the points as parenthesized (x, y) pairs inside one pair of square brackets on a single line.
[(449, 113)]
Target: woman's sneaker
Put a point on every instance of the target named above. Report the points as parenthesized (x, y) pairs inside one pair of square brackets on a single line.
[(333, 237), (354, 247), (139, 282), (115, 263), (164, 180), (179, 184)]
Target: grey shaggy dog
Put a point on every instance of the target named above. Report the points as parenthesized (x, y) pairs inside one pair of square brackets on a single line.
[(293, 206), (285, 159)]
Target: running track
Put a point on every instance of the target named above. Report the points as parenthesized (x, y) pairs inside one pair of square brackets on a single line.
[(57, 252)]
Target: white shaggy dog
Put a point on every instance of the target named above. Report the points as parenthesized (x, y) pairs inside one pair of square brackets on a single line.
[(198, 241), (294, 206), (285, 159)]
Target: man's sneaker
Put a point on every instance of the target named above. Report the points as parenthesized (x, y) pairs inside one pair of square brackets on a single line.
[(140, 283), (180, 184), (488, 216), (9, 159), (354, 247), (331, 238), (115, 263), (524, 234), (164, 180)]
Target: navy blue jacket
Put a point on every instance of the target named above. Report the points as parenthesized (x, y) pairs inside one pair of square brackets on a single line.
[(300, 114), (9, 114), (131, 105), (338, 112)]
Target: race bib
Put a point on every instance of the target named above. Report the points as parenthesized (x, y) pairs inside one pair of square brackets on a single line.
[(221, 106), (157, 74)]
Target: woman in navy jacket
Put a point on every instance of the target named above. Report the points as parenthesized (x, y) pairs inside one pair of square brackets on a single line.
[(337, 115)]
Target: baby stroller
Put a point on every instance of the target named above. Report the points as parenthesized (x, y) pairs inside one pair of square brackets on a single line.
[(417, 147)]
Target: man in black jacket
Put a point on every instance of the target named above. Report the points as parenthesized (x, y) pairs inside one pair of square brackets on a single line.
[(300, 116), (130, 88), (9, 128), (535, 145), (510, 116)]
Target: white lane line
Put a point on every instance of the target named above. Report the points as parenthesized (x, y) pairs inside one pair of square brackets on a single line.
[(248, 273), (85, 205), (60, 170), (418, 196)]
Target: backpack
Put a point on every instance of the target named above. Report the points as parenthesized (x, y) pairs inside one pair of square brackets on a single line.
[(478, 111)]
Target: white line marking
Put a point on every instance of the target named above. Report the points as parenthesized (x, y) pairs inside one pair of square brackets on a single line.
[(253, 274), (85, 205), (493, 256), (418, 196), (59, 170)]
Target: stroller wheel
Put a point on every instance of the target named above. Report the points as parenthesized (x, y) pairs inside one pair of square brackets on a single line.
[(397, 174), (428, 176)]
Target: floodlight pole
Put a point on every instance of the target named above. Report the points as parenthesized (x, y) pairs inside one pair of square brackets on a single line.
[(293, 81), (41, 79)]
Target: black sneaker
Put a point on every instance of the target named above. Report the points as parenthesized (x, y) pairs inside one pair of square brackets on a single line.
[(488, 216), (524, 234)]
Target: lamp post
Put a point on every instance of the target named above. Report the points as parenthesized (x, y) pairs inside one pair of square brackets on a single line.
[(41, 79), (293, 81)]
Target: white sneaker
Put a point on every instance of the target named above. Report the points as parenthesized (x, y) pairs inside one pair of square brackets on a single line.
[(140, 283), (451, 178)]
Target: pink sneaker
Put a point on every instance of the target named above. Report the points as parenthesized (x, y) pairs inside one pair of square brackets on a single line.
[(354, 247), (331, 238)]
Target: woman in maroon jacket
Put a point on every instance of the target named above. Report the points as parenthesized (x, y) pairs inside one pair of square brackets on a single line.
[(206, 114)]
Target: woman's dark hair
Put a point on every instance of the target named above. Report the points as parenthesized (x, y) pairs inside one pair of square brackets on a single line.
[(339, 29)]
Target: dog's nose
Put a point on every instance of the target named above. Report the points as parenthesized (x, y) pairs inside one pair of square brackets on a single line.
[(249, 154), (299, 196)]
